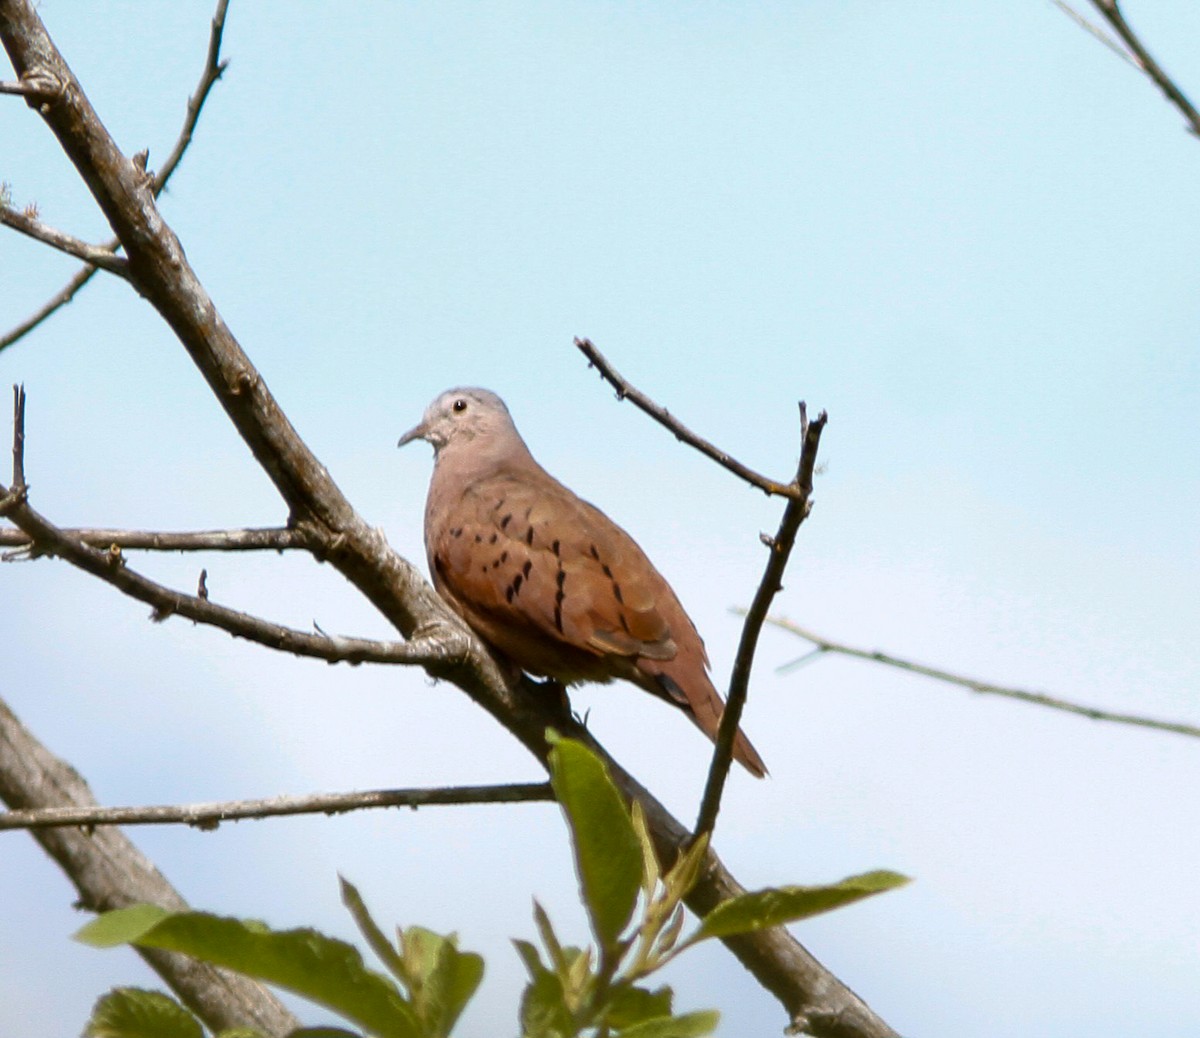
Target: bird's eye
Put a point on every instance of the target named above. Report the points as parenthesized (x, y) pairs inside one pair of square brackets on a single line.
[(459, 405)]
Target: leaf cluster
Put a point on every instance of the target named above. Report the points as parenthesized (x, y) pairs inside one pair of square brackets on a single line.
[(634, 905)]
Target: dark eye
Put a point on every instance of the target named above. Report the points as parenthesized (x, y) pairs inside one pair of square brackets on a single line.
[(459, 405)]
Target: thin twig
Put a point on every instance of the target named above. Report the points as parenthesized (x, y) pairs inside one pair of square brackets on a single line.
[(780, 549), (18, 447), (1099, 33), (1111, 11), (210, 815), (33, 87), (436, 644), (97, 255), (214, 66), (824, 645), (268, 538), (660, 414)]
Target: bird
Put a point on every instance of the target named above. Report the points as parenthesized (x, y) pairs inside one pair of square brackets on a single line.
[(547, 579)]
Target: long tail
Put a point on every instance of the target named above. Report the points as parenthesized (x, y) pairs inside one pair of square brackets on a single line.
[(701, 702)]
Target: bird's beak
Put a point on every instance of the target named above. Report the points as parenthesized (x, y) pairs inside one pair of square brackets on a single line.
[(417, 432)]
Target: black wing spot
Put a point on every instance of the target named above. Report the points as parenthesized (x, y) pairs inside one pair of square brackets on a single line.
[(529, 537), (607, 571), (517, 581), (554, 547), (527, 567), (456, 532), (595, 553), (558, 616), (494, 538), (506, 520), (617, 592), (561, 579), (504, 556), (508, 594), (479, 538), (625, 626)]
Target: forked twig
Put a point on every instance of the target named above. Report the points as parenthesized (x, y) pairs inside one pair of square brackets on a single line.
[(1136, 54), (824, 645), (435, 645), (660, 414), (780, 549), (214, 66)]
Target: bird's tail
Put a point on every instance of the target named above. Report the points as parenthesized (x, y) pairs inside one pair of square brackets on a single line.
[(701, 702)]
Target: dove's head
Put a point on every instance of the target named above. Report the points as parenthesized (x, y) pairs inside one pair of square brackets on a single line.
[(473, 419)]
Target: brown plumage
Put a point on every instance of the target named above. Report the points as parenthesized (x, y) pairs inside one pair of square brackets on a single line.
[(544, 577)]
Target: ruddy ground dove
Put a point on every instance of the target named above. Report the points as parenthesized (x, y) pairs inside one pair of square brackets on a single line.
[(546, 578)]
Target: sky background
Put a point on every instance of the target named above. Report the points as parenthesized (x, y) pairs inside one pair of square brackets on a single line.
[(968, 231)]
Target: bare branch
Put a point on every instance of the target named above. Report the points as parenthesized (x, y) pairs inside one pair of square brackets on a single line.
[(1099, 33), (209, 816), (824, 645), (96, 255), (272, 538), (437, 644), (1111, 11), (109, 872), (214, 66), (780, 548), (661, 415), (33, 87), (56, 302)]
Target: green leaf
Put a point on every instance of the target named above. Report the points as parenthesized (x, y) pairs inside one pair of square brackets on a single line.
[(686, 870), (650, 869), (558, 961), (778, 905), (531, 958), (442, 979), (367, 926), (326, 971), (120, 926), (544, 1012), (138, 1013), (632, 1005), (690, 1025), (608, 856), (670, 933)]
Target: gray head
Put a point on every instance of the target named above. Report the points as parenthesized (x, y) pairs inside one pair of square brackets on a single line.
[(465, 416)]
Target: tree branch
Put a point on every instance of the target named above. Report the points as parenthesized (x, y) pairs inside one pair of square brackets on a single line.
[(209, 816), (780, 547), (271, 538), (435, 645), (824, 645), (96, 255), (214, 66), (660, 414), (1137, 54), (109, 872)]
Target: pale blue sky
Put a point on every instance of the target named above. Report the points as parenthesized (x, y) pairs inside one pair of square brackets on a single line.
[(968, 231)]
